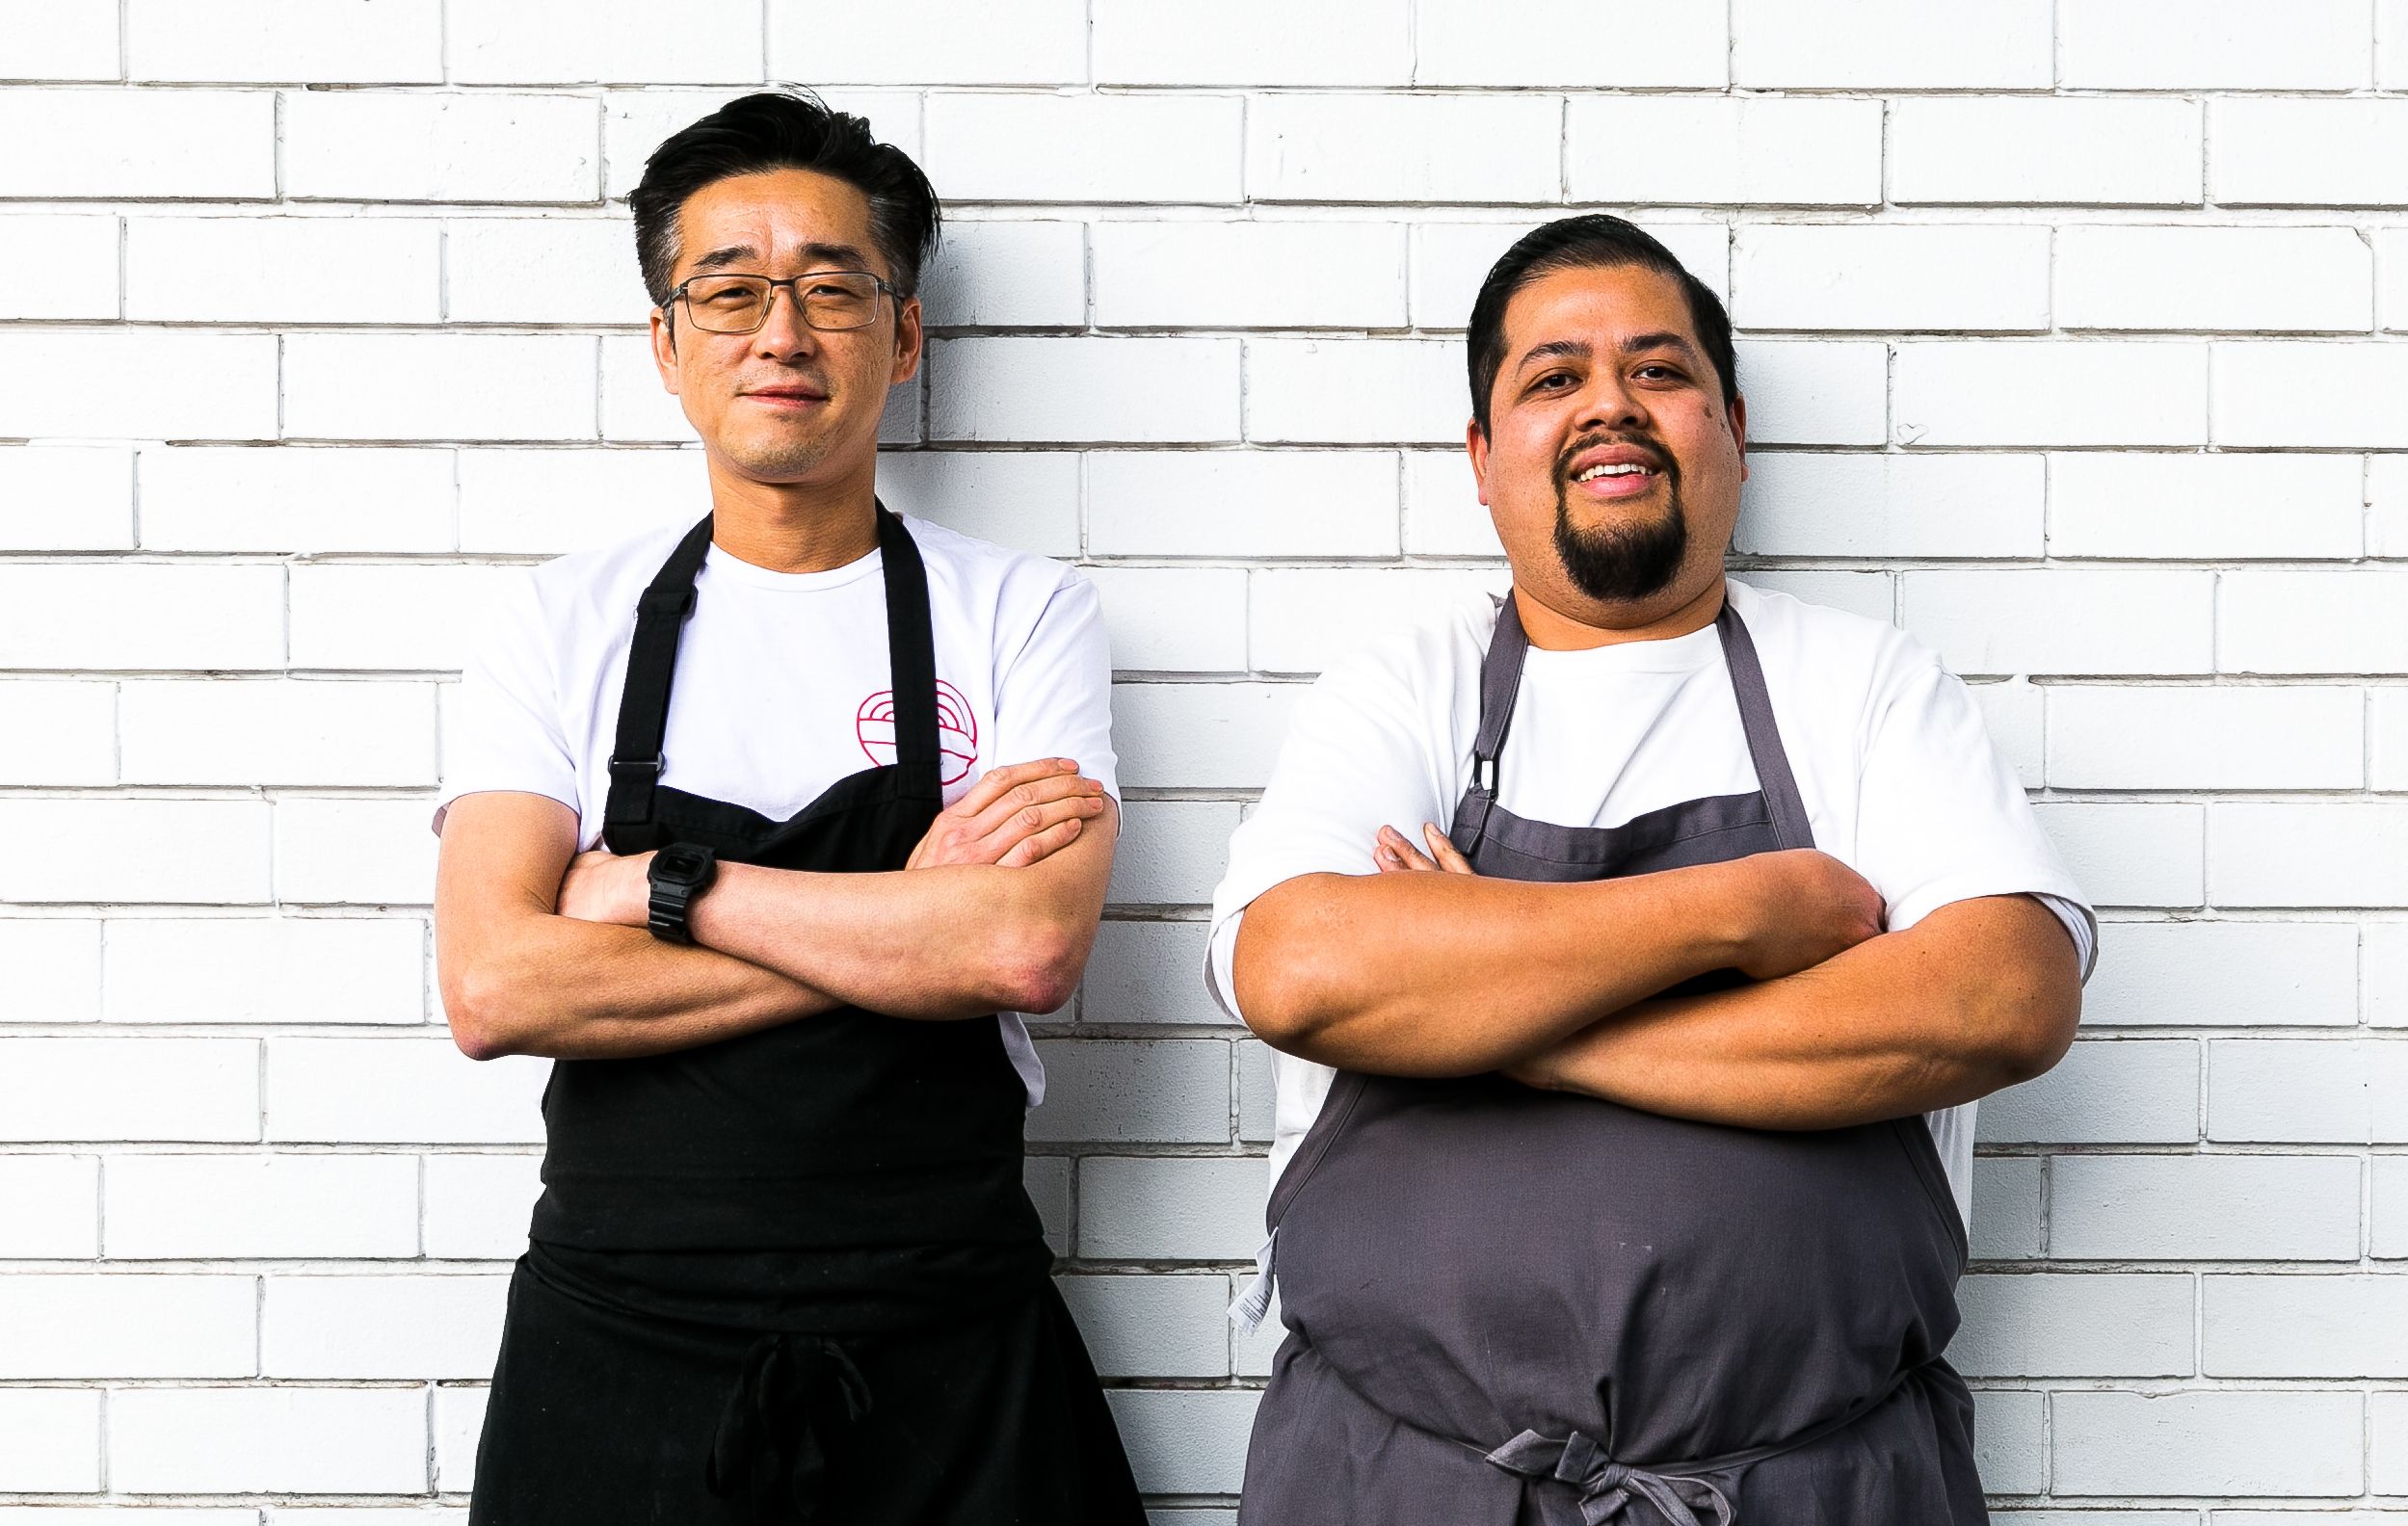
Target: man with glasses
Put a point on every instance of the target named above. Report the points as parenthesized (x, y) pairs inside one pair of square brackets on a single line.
[(765, 830)]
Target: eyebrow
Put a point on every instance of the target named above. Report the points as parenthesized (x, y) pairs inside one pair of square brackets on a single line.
[(834, 256), (1638, 343), (1552, 350), (1581, 350)]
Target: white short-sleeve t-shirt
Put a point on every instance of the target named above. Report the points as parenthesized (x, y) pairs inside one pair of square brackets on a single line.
[(1898, 774), (782, 682)]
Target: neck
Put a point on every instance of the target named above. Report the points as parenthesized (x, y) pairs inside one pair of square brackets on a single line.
[(1550, 629), (795, 527)]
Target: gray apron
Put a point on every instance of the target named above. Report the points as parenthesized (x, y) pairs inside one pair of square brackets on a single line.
[(1515, 1308)]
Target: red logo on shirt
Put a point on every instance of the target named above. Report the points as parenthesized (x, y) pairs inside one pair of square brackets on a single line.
[(956, 731)]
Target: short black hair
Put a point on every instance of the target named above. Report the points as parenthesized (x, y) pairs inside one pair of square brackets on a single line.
[(1592, 241), (785, 130)]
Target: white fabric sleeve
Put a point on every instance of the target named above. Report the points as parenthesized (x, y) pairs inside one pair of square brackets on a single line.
[(503, 730), (1221, 965), (2078, 926), (1357, 756), (1942, 818), (1053, 697)]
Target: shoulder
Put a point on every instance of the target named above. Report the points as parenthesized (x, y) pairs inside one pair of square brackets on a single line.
[(1831, 650), (979, 575), (1421, 667), (608, 578)]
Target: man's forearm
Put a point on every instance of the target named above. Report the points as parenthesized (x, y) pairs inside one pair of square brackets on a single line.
[(945, 943), (1455, 974), (519, 978), (1980, 995), (580, 991)]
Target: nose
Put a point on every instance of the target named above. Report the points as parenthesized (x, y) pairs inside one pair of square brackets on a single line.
[(1608, 402), (784, 335)]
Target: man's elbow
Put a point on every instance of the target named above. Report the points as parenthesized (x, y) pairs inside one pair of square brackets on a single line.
[(1281, 981), (2030, 1047), (2028, 1034), (1037, 970), (478, 1005)]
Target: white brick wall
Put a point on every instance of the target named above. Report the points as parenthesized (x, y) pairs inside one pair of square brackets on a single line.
[(2073, 339)]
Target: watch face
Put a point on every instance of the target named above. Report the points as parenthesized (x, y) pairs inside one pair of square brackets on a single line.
[(681, 862)]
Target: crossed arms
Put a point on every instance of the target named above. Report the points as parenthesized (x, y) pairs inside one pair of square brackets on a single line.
[(543, 950), (1427, 968)]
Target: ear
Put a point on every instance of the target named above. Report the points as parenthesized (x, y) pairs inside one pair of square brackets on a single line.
[(908, 338), (665, 351), (1739, 431), (1475, 440)]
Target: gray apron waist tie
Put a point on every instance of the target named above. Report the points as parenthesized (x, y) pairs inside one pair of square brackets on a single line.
[(1608, 1488)]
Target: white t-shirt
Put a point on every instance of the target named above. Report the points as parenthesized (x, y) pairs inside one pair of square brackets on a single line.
[(782, 682), (1900, 777)]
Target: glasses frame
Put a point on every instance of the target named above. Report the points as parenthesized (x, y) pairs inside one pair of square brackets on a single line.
[(769, 304)]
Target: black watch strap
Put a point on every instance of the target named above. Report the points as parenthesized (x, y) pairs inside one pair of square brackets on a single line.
[(679, 874), (668, 915)]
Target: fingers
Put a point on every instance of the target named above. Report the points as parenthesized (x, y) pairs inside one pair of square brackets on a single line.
[(1041, 845), (1005, 807), (1394, 853), (1448, 857), (1029, 809), (992, 783)]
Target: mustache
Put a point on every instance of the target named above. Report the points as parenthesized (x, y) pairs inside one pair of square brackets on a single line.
[(788, 378), (1658, 459)]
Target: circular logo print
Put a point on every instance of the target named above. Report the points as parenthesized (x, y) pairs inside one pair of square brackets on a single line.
[(956, 731)]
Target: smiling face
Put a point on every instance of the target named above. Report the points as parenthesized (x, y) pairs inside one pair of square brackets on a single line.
[(1611, 465), (787, 403)]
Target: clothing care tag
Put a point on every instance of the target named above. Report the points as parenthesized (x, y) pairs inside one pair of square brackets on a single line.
[(1255, 1303)]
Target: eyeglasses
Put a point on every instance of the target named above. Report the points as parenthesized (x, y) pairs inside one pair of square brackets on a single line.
[(739, 304)]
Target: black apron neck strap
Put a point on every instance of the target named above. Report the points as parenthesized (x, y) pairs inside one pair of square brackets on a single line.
[(912, 660), (636, 759), (660, 617), (1773, 775)]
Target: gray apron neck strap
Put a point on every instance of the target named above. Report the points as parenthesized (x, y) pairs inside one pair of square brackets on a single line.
[(1501, 685), (1755, 716)]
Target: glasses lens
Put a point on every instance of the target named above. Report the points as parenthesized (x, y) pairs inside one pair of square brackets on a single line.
[(727, 303), (846, 301)]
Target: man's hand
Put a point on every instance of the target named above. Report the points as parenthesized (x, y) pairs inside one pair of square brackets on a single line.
[(1013, 817), (602, 886), (1810, 908), (1394, 852)]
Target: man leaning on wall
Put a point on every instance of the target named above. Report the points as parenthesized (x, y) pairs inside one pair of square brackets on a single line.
[(765, 830), (1635, 950)]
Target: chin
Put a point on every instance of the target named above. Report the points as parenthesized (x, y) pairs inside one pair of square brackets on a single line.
[(773, 461)]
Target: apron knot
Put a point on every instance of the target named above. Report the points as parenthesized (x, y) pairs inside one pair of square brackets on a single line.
[(1608, 1488), (792, 1393)]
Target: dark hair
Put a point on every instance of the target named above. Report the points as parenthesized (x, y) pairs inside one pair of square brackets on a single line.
[(1594, 241), (778, 130)]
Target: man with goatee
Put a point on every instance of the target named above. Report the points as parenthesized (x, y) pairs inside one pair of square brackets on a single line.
[(1634, 950)]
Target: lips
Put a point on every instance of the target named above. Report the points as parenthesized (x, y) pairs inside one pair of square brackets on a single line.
[(790, 396), (1612, 470)]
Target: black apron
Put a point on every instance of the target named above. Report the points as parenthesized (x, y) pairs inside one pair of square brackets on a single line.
[(1515, 1308), (792, 1276)]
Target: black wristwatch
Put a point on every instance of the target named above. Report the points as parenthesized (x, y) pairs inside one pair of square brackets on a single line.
[(680, 873)]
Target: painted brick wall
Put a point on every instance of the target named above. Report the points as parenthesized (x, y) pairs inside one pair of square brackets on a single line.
[(2069, 331)]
